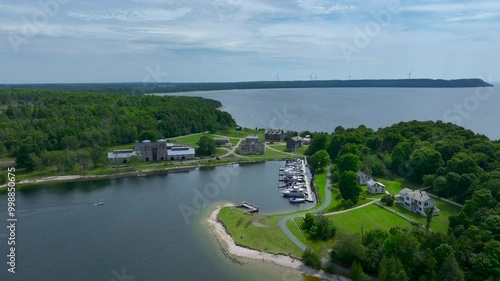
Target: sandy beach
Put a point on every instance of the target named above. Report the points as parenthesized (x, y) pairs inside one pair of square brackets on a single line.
[(281, 260)]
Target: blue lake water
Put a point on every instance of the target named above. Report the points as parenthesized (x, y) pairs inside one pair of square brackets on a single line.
[(322, 109), (62, 235)]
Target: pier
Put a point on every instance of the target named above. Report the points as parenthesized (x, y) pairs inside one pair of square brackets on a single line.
[(309, 197), (294, 175), (247, 207)]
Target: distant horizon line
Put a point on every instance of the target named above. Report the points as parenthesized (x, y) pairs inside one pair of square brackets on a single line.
[(247, 81)]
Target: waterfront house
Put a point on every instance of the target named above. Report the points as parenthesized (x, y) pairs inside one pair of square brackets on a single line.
[(181, 153), (362, 178), (306, 140), (121, 155), (293, 143), (375, 187), (417, 201), (275, 135), (252, 145)]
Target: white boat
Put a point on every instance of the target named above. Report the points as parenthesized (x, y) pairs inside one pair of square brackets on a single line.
[(293, 193), (99, 203), (297, 200)]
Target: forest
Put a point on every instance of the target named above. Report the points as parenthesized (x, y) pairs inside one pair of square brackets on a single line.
[(457, 164), (40, 128)]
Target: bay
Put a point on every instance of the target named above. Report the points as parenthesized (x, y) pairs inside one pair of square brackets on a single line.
[(140, 231), (323, 109)]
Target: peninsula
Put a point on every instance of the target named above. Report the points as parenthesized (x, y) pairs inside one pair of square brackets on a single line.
[(137, 87)]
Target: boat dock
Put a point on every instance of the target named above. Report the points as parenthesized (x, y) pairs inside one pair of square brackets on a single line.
[(293, 177), (247, 207), (309, 197)]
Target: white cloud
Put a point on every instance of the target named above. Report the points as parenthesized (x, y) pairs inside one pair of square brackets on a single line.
[(482, 16), (323, 6), (136, 15)]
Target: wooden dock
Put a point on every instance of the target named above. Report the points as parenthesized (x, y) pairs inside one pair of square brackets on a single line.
[(247, 207), (309, 197)]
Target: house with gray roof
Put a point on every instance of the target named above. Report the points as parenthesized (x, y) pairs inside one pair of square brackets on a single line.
[(362, 178), (375, 187), (417, 201), (293, 143)]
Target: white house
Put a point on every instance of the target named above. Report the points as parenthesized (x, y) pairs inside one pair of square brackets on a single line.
[(375, 187), (417, 201), (180, 153), (362, 178)]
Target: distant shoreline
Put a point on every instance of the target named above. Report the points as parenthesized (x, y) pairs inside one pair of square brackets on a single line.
[(165, 88)]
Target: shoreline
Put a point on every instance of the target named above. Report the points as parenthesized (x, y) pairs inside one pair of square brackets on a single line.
[(146, 172), (233, 249)]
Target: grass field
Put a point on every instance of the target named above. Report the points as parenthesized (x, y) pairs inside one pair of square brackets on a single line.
[(394, 186), (189, 140), (370, 217), (241, 134), (280, 147), (439, 223), (320, 181), (258, 232)]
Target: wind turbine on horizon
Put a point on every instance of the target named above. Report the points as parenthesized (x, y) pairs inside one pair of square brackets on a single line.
[(277, 77), (409, 74), (349, 75), (311, 76), (315, 77)]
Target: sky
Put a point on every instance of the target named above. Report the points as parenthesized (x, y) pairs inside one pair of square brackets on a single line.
[(69, 41)]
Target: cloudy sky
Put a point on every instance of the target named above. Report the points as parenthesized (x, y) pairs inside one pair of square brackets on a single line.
[(243, 40)]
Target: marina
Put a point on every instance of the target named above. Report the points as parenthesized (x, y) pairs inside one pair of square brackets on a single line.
[(294, 180)]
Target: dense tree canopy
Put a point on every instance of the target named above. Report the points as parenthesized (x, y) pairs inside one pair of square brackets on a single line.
[(34, 121), (455, 163)]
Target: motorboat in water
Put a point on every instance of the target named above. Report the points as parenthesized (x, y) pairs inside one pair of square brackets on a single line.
[(100, 203), (297, 200)]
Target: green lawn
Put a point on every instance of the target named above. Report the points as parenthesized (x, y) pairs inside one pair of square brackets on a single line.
[(370, 217), (439, 223), (241, 134), (189, 140), (394, 186), (280, 147), (320, 182), (258, 232)]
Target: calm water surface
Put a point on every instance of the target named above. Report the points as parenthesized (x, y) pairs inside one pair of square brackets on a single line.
[(62, 235), (322, 109)]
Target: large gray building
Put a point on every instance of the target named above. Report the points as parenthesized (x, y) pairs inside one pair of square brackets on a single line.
[(252, 145), (275, 135), (153, 151)]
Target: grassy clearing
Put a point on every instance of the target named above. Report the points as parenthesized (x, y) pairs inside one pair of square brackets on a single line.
[(241, 134), (320, 183), (369, 217), (280, 147), (189, 140), (394, 186), (258, 232), (439, 223)]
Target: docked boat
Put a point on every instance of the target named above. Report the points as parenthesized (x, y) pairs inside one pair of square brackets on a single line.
[(294, 193), (297, 200)]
